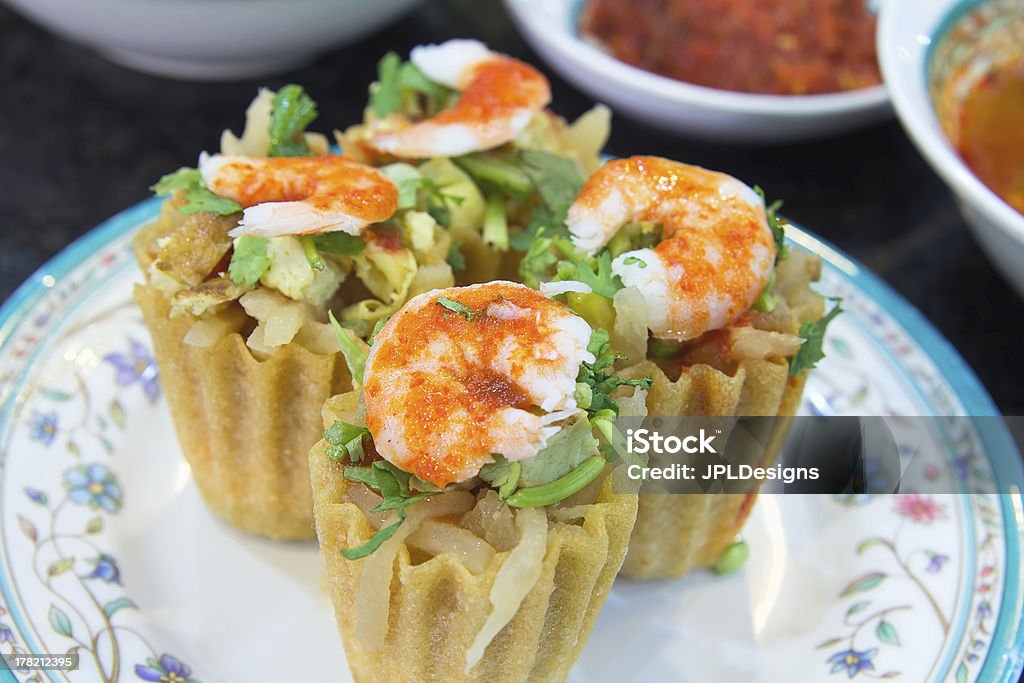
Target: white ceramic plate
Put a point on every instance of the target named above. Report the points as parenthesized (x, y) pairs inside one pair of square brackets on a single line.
[(108, 551), (551, 28)]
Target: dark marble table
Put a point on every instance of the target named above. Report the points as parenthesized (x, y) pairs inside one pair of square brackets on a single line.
[(81, 139)]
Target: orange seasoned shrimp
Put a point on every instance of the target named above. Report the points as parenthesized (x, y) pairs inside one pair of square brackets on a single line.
[(717, 253), (300, 195), (498, 97), (460, 374)]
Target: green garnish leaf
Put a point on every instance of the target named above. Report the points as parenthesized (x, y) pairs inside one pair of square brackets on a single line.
[(202, 199), (390, 473), (541, 219), (539, 260), (812, 350), (631, 260), (411, 78), (386, 94), (353, 349), (375, 541), (555, 258), (380, 478), (346, 440), (437, 202), (502, 475), (338, 242), (398, 502), (601, 377), (456, 307), (776, 225), (292, 110), (595, 271), (455, 258), (197, 196), (249, 261), (182, 179), (555, 178)]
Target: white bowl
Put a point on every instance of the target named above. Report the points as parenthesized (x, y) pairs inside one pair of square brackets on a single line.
[(210, 39), (907, 32), (550, 26)]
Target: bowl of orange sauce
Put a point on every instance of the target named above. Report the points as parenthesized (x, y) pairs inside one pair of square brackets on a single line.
[(769, 71), (955, 71)]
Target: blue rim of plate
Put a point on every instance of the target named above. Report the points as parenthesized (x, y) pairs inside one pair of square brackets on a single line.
[(1005, 659)]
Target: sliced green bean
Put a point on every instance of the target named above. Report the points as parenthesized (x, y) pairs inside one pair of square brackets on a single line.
[(495, 231), (496, 172), (561, 488)]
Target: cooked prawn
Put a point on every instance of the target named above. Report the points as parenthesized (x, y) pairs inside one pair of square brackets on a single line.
[(717, 253), (300, 195), (499, 96), (446, 389)]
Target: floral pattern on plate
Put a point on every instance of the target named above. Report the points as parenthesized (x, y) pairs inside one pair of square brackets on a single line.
[(108, 552)]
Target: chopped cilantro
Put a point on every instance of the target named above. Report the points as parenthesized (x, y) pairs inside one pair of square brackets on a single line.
[(812, 350), (776, 225), (338, 242), (556, 178), (182, 179), (595, 271), (437, 203), (601, 377), (502, 475), (393, 485), (291, 111), (539, 260), (385, 94), (456, 307), (631, 260), (346, 441), (395, 76), (541, 218), (197, 196), (553, 178), (249, 261), (411, 78), (374, 541)]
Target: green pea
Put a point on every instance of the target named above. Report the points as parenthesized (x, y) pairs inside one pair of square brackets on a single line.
[(734, 557), (561, 488)]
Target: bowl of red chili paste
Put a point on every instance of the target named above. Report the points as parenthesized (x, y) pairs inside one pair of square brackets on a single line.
[(733, 70), (955, 69)]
